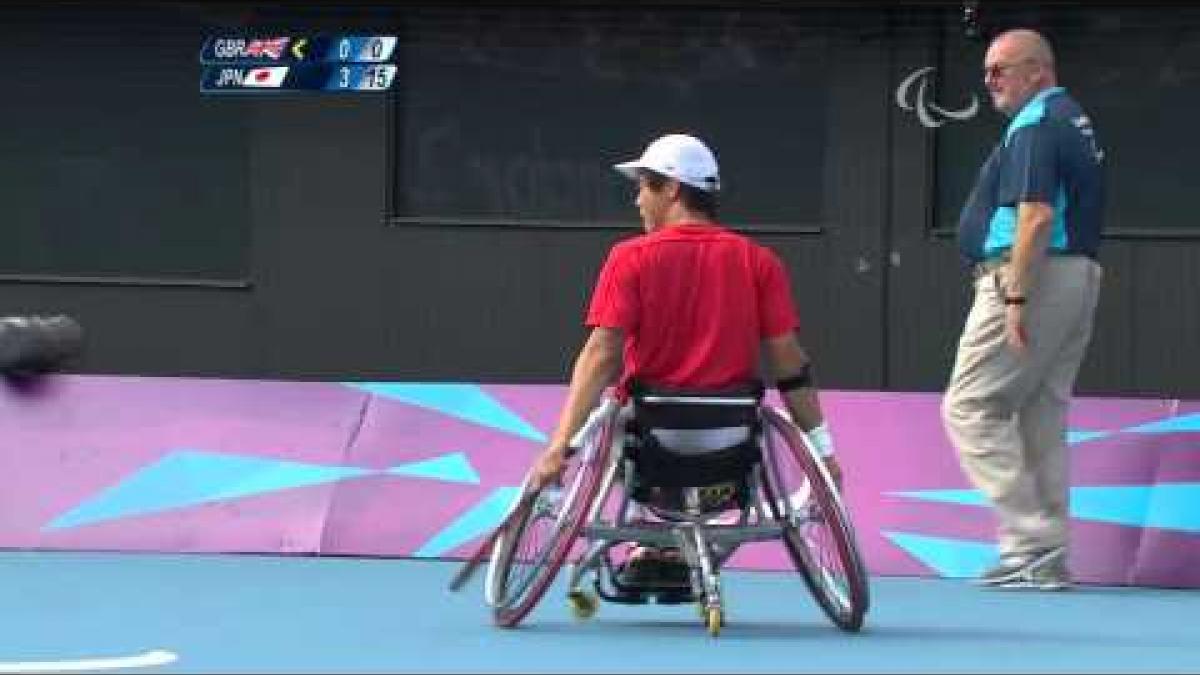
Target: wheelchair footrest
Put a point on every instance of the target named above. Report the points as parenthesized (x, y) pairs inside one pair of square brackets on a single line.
[(665, 584), (638, 595)]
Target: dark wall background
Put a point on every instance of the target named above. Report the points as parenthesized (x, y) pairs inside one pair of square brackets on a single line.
[(452, 231)]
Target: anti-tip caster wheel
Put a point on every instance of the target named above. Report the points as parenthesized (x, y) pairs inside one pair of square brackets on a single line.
[(713, 619)]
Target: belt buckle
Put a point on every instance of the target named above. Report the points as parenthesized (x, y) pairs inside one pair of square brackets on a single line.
[(985, 267)]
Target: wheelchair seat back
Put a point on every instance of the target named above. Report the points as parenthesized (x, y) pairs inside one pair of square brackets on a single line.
[(693, 439)]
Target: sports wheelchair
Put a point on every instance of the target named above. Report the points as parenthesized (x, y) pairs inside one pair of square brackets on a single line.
[(700, 472)]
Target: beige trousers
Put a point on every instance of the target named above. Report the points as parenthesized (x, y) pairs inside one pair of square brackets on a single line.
[(1006, 414)]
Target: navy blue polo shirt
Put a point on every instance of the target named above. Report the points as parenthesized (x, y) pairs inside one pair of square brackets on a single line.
[(1049, 154)]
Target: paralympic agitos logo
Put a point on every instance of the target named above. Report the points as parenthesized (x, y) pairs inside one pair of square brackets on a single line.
[(928, 112)]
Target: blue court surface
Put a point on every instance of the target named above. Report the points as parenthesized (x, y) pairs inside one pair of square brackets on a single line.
[(177, 613)]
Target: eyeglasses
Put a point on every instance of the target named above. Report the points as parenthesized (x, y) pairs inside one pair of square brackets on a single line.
[(999, 70)]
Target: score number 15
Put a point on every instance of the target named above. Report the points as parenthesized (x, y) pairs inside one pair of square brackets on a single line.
[(366, 78)]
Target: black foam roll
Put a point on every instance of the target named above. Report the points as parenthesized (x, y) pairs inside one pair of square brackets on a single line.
[(32, 345)]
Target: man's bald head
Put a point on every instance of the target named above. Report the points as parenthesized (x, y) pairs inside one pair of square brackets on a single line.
[(1026, 44)]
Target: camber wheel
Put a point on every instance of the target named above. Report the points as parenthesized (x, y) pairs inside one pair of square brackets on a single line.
[(527, 557), (817, 534)]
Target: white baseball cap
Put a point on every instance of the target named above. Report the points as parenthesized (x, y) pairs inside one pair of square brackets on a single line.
[(685, 158)]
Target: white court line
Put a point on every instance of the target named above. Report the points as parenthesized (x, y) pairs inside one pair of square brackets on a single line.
[(157, 657)]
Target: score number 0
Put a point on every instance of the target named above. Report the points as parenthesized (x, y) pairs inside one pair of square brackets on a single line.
[(378, 48)]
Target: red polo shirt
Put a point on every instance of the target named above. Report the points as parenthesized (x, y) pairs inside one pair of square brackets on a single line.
[(694, 302)]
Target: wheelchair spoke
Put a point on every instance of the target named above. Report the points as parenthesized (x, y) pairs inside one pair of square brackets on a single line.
[(817, 530)]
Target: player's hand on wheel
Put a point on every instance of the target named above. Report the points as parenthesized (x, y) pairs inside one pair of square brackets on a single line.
[(548, 468), (835, 471)]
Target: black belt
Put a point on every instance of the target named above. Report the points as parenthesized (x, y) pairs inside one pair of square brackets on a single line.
[(985, 267)]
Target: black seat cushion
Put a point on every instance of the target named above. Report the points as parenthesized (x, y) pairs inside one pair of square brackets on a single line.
[(660, 466)]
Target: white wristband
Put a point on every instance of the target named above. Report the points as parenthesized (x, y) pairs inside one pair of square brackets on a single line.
[(821, 440)]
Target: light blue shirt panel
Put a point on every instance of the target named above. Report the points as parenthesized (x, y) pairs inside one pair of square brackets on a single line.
[(1003, 227)]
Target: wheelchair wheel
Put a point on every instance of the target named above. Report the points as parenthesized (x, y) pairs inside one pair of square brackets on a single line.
[(817, 531), (527, 556)]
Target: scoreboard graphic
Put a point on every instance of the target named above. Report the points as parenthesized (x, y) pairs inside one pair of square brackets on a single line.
[(337, 63)]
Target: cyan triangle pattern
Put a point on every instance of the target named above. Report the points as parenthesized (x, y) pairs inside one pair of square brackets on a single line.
[(952, 558), (452, 468), (964, 497), (464, 401), (1167, 506), (189, 477), (1080, 436), (477, 521), (1169, 425)]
